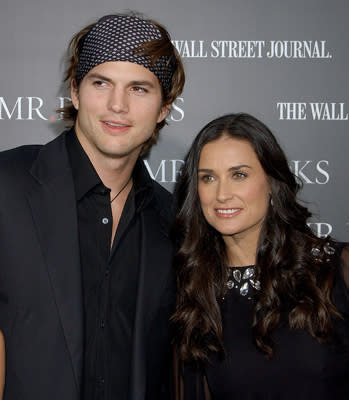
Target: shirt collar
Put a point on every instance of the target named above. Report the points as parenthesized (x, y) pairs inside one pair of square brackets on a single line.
[(143, 185), (86, 178), (84, 175)]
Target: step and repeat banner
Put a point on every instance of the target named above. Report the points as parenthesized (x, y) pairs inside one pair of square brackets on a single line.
[(285, 62)]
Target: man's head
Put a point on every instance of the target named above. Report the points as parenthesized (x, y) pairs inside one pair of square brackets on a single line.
[(126, 38)]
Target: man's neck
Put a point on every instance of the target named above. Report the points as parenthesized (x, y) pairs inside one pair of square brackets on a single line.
[(114, 172)]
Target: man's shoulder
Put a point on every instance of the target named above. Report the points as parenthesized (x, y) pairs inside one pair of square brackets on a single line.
[(162, 195), (162, 203), (19, 157), (20, 151)]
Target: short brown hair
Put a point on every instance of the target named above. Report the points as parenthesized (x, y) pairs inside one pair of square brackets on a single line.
[(154, 49)]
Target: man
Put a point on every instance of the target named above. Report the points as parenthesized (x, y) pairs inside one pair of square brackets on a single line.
[(2, 363), (86, 284)]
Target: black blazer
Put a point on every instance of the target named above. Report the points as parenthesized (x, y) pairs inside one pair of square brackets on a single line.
[(41, 311)]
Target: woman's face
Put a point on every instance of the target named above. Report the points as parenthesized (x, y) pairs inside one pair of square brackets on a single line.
[(233, 188)]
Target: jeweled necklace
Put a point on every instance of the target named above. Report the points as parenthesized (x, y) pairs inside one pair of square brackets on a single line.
[(241, 278), (121, 190)]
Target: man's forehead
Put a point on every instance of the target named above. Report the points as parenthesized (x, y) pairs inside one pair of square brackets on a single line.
[(123, 70), (118, 38)]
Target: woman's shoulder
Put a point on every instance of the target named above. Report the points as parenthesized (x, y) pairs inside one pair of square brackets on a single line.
[(341, 246), (341, 284), (342, 251)]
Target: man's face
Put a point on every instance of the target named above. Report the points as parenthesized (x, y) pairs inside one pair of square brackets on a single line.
[(119, 104)]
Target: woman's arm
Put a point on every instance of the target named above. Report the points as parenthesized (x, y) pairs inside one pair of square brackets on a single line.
[(2, 364)]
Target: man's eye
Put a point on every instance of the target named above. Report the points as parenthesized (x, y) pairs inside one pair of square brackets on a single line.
[(139, 89), (99, 83)]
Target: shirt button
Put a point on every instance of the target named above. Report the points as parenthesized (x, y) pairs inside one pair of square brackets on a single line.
[(105, 221), (100, 381), (102, 324)]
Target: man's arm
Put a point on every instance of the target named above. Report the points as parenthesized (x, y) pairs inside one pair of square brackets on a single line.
[(2, 364)]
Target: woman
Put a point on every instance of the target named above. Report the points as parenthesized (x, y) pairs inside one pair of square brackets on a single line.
[(2, 364), (262, 308)]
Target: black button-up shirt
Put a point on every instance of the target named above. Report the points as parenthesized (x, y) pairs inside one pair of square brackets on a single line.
[(110, 275)]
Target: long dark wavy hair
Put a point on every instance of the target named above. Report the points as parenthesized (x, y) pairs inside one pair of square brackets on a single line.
[(295, 280)]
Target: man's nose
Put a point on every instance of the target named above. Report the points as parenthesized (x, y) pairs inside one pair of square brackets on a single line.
[(118, 101)]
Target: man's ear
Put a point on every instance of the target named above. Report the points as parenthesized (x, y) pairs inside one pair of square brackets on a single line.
[(165, 109), (74, 94)]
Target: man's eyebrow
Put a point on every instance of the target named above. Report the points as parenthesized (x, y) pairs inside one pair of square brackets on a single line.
[(95, 75), (142, 83)]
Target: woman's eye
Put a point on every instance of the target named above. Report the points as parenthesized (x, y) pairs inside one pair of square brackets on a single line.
[(239, 175), (206, 178)]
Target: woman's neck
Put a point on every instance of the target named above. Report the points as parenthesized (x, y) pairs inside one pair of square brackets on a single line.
[(241, 252)]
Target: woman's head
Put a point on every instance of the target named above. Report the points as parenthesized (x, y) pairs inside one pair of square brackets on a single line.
[(223, 145), (233, 189)]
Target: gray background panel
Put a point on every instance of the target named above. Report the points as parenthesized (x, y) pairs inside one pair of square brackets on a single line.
[(35, 33)]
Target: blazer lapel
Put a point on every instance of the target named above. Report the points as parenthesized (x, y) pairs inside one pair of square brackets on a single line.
[(155, 259), (54, 211)]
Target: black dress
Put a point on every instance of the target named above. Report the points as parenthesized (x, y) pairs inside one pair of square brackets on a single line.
[(301, 368)]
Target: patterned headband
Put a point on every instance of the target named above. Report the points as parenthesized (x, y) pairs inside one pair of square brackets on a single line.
[(116, 38)]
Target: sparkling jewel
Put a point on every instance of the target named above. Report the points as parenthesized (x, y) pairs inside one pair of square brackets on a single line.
[(230, 284), (248, 273), (315, 251), (329, 249), (255, 284), (237, 275), (244, 289)]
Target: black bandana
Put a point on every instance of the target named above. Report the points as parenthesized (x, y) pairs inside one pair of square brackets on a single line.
[(115, 38)]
